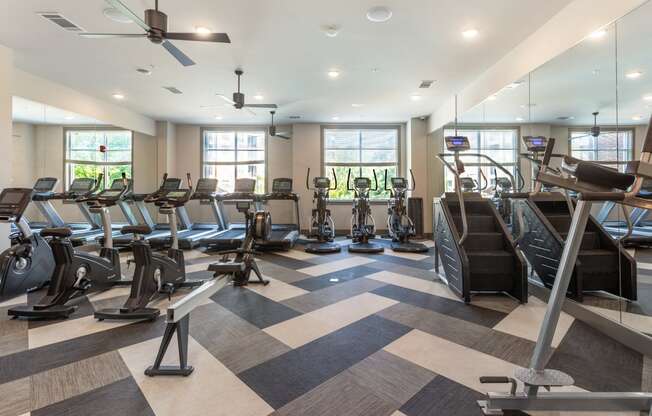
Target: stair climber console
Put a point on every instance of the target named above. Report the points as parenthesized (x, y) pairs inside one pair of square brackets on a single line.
[(541, 225), (475, 247)]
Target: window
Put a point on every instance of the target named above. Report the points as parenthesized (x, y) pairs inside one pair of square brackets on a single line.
[(499, 144), (91, 152), (231, 154), (362, 151), (610, 146)]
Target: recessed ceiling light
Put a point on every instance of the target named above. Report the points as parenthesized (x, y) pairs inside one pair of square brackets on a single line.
[(598, 34), (634, 74), (647, 97), (492, 97), (415, 97), (514, 85), (331, 30), (374, 70), (470, 33), (520, 119), (69, 117), (118, 96), (202, 30), (637, 118), (218, 117), (115, 15), (258, 97), (379, 14), (356, 105), (333, 73), (335, 118), (596, 72)]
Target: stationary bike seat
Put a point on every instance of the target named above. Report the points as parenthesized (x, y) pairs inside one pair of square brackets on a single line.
[(136, 229), (58, 232)]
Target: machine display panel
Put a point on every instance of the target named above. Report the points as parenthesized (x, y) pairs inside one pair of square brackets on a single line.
[(45, 184), (282, 186), (322, 182), (82, 184)]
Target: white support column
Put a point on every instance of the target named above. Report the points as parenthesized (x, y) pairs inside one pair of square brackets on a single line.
[(6, 70)]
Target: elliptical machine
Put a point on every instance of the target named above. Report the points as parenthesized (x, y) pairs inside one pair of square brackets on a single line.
[(154, 272), (363, 226), (240, 262), (77, 273), (28, 264), (399, 225), (321, 225)]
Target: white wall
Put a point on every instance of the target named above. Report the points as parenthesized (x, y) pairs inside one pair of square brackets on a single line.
[(6, 142)]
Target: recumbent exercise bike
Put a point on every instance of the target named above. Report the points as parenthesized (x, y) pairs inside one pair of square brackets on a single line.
[(322, 227), (363, 226), (400, 226)]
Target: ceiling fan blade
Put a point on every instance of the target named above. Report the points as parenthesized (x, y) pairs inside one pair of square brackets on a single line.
[(117, 4), (261, 105), (250, 112), (180, 56), (112, 35), (209, 37), (283, 136), (227, 99)]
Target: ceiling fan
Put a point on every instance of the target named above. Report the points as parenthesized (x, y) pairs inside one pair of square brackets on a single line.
[(155, 27), (272, 130), (595, 130), (238, 100)]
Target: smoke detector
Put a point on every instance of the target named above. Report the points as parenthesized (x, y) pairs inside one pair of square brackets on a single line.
[(331, 30)]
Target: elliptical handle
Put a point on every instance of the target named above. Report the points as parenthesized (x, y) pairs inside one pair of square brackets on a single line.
[(308, 180), (334, 179), (348, 181), (375, 180), (414, 183), (385, 185), (189, 180)]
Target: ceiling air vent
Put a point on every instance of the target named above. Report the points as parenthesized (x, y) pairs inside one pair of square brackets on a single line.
[(173, 90), (294, 117), (59, 20), (426, 83)]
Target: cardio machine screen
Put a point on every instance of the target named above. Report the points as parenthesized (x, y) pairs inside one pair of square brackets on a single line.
[(117, 184), (362, 182), (82, 184), (399, 183), (245, 185), (242, 205), (206, 185), (282, 186), (171, 184), (175, 194), (322, 182), (12, 198), (457, 143), (110, 194), (535, 143), (45, 184)]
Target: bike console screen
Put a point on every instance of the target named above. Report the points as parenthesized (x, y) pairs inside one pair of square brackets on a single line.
[(282, 186), (399, 183), (362, 183), (535, 143), (457, 143), (322, 182), (45, 184)]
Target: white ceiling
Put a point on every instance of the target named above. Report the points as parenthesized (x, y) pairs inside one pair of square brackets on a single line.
[(584, 79), (27, 111), (282, 50)]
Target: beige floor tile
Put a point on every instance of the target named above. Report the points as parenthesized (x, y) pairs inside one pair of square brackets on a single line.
[(277, 290), (336, 265), (525, 322), (398, 413), (643, 265), (111, 293), (15, 396), (297, 254), (408, 256), (69, 329), (18, 300), (425, 286), (210, 390), (308, 327)]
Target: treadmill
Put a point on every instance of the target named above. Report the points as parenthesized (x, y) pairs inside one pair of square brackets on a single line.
[(232, 234), (283, 236), (189, 238), (158, 229), (43, 194), (642, 228)]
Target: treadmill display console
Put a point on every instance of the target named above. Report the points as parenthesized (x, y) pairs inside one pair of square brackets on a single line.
[(82, 185), (117, 184), (242, 205), (362, 183), (399, 183), (110, 194), (13, 202), (457, 143), (535, 143), (322, 182), (206, 186), (45, 184), (245, 185), (171, 184), (176, 194), (282, 186)]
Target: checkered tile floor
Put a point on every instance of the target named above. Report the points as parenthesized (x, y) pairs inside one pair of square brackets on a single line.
[(333, 335)]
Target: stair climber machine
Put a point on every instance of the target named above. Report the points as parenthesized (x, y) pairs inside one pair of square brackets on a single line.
[(240, 262), (154, 273), (363, 226), (593, 183), (322, 227), (399, 225), (234, 233), (28, 264), (476, 248), (77, 273), (541, 225), (283, 236)]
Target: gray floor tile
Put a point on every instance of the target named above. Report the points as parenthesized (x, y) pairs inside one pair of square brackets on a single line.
[(506, 347), (443, 397), (327, 296), (405, 270), (13, 334), (120, 398), (285, 261), (453, 329), (281, 273), (252, 307), (331, 279), (285, 378), (15, 397), (250, 351), (646, 382), (390, 377)]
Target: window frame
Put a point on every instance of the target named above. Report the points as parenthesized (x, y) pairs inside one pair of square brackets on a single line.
[(235, 129), (609, 129), (473, 127), (344, 126), (67, 180)]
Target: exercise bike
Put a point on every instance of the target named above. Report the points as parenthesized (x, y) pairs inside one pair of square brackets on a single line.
[(400, 226), (77, 273), (240, 262), (154, 273), (363, 226), (28, 264), (322, 227)]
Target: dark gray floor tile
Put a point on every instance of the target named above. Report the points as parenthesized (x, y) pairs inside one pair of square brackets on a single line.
[(120, 398), (252, 307), (284, 378), (597, 362), (84, 308), (471, 313), (281, 273), (285, 261), (402, 261), (391, 377), (646, 382), (342, 395), (443, 397), (506, 347), (452, 329), (405, 270), (327, 296), (335, 278)]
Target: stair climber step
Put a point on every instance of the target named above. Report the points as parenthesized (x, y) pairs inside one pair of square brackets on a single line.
[(471, 207), (476, 223), (590, 240), (484, 241), (599, 261), (561, 222), (491, 262)]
